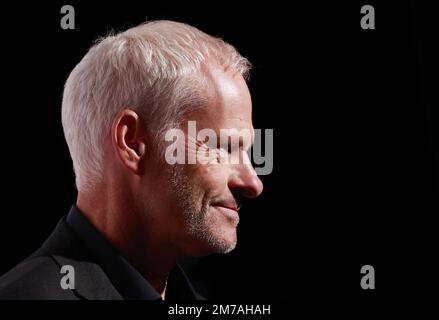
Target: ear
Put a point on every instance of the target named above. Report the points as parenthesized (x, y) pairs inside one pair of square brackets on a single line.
[(128, 139)]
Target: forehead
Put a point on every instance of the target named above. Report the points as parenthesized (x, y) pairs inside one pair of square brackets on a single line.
[(230, 103)]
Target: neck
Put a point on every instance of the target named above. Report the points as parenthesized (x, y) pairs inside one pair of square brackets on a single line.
[(125, 229)]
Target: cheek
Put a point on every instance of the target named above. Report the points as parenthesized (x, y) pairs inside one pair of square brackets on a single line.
[(212, 178)]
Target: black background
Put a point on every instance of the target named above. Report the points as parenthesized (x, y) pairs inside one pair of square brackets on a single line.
[(355, 177)]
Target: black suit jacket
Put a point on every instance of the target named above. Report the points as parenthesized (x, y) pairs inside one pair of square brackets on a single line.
[(39, 276)]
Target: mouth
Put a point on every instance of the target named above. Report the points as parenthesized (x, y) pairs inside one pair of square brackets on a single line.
[(229, 207), (229, 211), (234, 204)]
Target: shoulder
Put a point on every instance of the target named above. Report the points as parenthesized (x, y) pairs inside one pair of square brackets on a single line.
[(44, 278), (39, 277), (34, 278)]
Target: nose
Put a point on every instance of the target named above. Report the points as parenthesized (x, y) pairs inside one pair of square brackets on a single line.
[(245, 181)]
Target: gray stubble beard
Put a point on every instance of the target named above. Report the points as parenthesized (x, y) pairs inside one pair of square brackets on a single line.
[(195, 213)]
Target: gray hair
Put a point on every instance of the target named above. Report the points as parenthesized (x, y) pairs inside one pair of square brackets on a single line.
[(154, 69)]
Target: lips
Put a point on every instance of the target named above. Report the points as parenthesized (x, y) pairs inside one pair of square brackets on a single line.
[(228, 206), (229, 211)]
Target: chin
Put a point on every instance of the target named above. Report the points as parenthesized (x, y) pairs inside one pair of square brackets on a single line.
[(224, 242), (216, 234), (215, 243)]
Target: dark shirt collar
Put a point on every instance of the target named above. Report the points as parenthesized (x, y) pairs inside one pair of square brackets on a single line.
[(125, 278)]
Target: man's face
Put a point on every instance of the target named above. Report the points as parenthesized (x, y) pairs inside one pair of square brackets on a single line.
[(199, 203)]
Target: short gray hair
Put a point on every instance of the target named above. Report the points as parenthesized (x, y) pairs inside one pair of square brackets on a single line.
[(154, 69)]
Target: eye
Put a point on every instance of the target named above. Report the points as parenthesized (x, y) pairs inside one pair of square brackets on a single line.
[(225, 147), (208, 143)]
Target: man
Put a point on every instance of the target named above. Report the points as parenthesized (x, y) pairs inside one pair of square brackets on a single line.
[(136, 213)]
